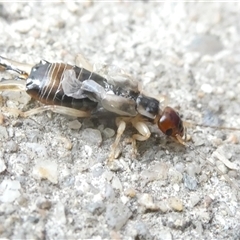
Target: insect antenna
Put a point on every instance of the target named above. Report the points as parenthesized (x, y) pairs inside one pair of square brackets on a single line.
[(23, 70), (192, 124)]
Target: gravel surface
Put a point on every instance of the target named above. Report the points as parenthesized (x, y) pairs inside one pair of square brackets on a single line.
[(55, 182)]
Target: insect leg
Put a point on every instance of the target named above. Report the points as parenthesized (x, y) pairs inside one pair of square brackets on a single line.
[(142, 135), (55, 108), (137, 122), (121, 127), (13, 85)]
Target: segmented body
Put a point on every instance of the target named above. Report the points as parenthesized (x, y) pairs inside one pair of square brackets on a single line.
[(78, 92), (45, 84), (90, 94)]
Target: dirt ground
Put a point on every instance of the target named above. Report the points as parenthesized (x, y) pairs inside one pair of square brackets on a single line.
[(54, 179)]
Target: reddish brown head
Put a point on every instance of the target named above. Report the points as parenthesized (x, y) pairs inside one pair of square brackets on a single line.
[(171, 124)]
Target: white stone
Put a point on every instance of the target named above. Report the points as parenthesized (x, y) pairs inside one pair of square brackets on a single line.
[(9, 190), (207, 88), (2, 165), (46, 169)]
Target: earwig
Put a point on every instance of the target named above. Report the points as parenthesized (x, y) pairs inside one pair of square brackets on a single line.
[(81, 92), (76, 91)]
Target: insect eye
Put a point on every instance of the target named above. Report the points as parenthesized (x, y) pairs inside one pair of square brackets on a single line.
[(169, 132)]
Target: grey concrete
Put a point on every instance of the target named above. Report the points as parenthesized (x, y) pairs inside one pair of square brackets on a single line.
[(187, 52)]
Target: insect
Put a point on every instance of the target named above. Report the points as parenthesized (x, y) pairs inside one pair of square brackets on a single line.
[(85, 93), (81, 92)]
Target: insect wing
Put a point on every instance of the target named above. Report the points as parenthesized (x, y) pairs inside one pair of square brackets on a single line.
[(93, 90), (113, 74), (119, 78), (109, 101), (71, 85)]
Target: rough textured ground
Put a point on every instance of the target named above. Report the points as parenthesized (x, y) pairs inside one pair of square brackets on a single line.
[(188, 52)]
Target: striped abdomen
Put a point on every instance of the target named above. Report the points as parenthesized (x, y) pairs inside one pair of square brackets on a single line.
[(45, 85)]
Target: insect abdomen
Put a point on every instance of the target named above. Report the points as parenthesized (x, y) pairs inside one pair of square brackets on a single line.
[(45, 85)]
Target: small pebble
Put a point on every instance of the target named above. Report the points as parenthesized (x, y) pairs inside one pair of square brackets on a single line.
[(1, 119), (199, 227), (116, 183), (72, 6), (174, 176), (11, 147), (233, 174), (192, 169), (190, 182), (45, 204), (3, 133), (2, 165), (59, 213), (11, 132), (205, 44), (23, 25), (108, 193), (97, 171), (180, 167), (10, 190), (37, 148), (46, 169), (7, 208), (207, 201), (180, 223), (203, 178), (163, 206), (108, 175), (191, 58), (117, 214), (176, 187), (142, 230), (204, 216), (108, 133), (115, 166), (23, 201), (96, 208), (67, 144), (124, 199), (158, 171), (164, 235), (100, 127), (221, 167), (194, 199), (87, 150), (75, 124), (207, 88), (175, 204), (146, 201), (130, 192), (232, 138), (92, 136)]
